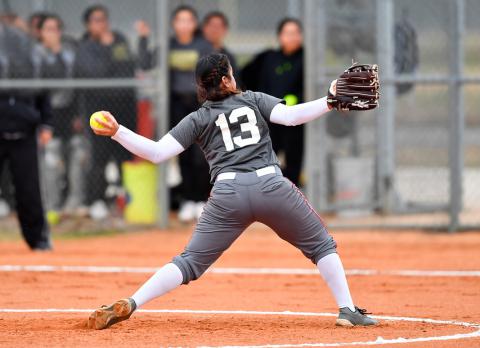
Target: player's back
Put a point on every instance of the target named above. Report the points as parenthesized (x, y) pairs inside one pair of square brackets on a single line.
[(233, 133)]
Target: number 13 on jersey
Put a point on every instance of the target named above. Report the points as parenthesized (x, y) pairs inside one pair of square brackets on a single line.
[(249, 126)]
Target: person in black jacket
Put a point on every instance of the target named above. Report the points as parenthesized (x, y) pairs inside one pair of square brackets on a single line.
[(104, 53), (22, 114), (280, 73)]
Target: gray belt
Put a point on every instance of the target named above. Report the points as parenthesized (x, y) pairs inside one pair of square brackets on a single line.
[(260, 172)]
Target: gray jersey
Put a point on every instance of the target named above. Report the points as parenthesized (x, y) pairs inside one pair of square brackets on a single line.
[(233, 133)]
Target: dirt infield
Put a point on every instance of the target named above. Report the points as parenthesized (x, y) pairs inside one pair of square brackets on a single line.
[(244, 300)]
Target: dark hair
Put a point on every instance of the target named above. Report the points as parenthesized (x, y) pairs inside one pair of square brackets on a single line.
[(286, 21), (208, 73), (46, 17), (216, 14), (39, 15), (185, 8), (90, 10)]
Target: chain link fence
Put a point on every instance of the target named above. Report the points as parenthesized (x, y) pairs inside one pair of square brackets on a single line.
[(391, 168), (88, 182), (471, 179), (91, 183), (413, 161)]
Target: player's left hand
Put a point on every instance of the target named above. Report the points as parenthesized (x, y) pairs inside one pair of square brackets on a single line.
[(356, 89), (109, 124), (332, 90)]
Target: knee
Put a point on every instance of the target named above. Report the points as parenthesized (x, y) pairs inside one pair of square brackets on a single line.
[(191, 268), (323, 248)]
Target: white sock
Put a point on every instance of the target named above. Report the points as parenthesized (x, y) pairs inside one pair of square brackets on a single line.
[(164, 280), (332, 272)]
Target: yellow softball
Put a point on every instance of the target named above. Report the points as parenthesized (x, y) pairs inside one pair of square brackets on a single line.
[(93, 122)]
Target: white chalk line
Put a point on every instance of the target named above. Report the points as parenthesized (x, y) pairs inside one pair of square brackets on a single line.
[(240, 271), (378, 341)]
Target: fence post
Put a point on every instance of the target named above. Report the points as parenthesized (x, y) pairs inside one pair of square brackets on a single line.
[(161, 103), (315, 140), (456, 112), (385, 113)]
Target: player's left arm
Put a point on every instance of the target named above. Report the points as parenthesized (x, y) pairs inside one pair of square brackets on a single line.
[(301, 113), (154, 151)]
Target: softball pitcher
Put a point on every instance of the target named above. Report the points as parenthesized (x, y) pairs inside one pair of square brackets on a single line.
[(231, 127)]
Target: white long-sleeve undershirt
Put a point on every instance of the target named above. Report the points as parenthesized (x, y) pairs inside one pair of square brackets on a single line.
[(154, 151), (168, 146), (300, 113)]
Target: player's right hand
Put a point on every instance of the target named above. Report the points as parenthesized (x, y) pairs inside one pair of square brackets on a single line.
[(109, 125)]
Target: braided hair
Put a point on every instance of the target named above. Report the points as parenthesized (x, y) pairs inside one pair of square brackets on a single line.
[(208, 74)]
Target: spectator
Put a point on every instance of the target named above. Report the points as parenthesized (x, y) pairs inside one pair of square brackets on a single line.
[(22, 113), (280, 73), (67, 152), (215, 28), (104, 53), (186, 47)]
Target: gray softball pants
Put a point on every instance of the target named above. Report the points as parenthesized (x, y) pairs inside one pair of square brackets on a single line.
[(236, 203)]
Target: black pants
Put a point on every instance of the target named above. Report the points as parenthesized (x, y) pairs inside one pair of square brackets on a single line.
[(193, 166), (22, 159), (290, 141)]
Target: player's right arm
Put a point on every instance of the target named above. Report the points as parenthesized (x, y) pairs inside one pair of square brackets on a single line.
[(154, 151)]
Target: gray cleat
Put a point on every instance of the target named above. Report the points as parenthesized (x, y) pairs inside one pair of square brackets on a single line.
[(348, 318), (106, 316)]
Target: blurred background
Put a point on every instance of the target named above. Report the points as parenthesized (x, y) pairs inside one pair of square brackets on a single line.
[(412, 162)]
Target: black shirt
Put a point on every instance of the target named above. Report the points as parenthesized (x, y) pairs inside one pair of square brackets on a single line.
[(96, 60), (277, 74), (182, 62)]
